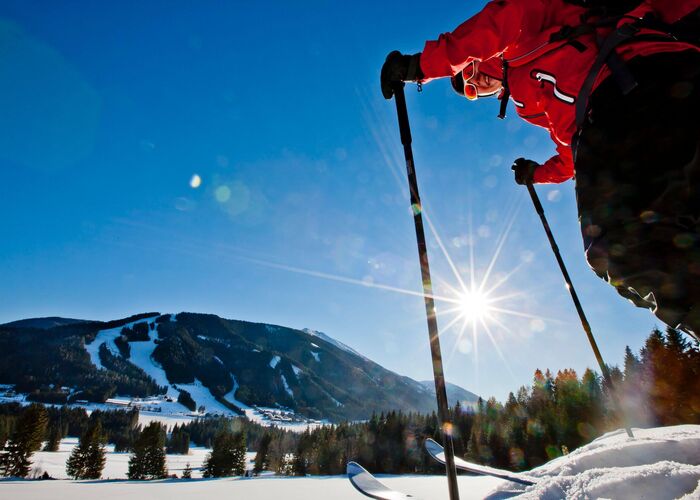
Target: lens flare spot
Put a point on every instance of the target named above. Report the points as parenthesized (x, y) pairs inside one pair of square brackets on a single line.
[(684, 240), (448, 429), (554, 195), (195, 181), (464, 345), (527, 256), (490, 182), (222, 194), (537, 325)]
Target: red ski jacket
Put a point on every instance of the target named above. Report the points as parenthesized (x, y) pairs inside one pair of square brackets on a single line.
[(544, 77)]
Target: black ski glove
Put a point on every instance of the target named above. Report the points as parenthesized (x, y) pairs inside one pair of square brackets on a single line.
[(399, 68), (524, 170)]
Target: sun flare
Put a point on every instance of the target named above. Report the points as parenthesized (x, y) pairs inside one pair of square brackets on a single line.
[(474, 305)]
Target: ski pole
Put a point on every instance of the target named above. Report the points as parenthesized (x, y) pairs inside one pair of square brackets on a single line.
[(579, 308), (434, 336)]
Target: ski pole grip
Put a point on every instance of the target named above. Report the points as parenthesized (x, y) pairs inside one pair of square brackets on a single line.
[(402, 113)]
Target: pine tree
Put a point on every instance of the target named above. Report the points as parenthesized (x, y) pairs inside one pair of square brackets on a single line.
[(54, 438), (148, 458), (179, 442), (227, 457), (187, 472), (87, 460), (680, 381), (261, 457), (302, 460), (240, 449), (631, 364), (593, 416), (652, 369), (25, 440)]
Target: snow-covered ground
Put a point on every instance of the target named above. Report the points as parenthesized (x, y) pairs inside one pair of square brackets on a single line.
[(117, 463), (657, 463), (661, 463)]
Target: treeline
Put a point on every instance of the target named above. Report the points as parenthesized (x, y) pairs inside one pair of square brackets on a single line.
[(119, 427), (122, 429), (556, 414), (661, 386), (23, 430)]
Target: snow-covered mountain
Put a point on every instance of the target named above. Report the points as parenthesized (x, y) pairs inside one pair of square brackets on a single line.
[(201, 363), (455, 394)]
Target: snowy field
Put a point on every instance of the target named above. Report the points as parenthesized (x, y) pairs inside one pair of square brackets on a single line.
[(658, 464), (273, 488), (117, 463)]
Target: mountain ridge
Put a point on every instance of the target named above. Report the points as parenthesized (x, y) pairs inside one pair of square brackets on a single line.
[(455, 394), (44, 323), (240, 364)]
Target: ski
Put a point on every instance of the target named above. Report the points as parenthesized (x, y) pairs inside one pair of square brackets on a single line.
[(435, 450), (370, 486)]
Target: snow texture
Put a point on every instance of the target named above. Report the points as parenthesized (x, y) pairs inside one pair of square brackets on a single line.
[(286, 386), (334, 342), (316, 355), (657, 463), (274, 361), (108, 337)]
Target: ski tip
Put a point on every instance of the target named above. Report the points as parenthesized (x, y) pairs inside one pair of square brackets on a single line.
[(353, 469), (433, 446), (369, 486)]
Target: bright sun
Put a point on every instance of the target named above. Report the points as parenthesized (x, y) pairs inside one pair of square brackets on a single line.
[(474, 305)]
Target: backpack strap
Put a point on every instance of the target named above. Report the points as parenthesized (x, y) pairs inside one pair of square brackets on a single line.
[(607, 55), (505, 97)]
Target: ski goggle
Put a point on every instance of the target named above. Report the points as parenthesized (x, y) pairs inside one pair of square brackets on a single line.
[(469, 89), (462, 83)]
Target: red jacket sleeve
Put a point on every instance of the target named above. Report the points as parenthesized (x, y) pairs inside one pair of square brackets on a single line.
[(557, 169), (481, 37)]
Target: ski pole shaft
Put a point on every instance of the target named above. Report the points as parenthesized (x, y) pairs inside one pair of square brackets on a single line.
[(574, 296), (438, 374)]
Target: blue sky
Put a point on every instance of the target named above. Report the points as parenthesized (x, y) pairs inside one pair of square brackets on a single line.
[(110, 108)]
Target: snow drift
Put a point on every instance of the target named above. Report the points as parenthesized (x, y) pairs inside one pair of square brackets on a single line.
[(657, 463)]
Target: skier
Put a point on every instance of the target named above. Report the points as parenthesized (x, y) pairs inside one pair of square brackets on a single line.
[(620, 97)]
